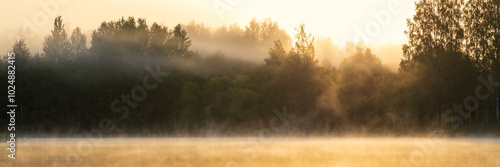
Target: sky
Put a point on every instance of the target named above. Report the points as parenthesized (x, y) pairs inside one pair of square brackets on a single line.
[(375, 22)]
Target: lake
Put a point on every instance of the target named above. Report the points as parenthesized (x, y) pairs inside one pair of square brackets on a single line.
[(233, 152)]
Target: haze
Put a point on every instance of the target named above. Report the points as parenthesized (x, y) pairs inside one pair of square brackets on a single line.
[(250, 83), (335, 19)]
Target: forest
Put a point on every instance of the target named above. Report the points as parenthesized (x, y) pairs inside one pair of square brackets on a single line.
[(135, 78)]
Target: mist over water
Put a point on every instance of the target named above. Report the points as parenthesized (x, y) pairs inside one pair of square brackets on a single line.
[(258, 152), (131, 90)]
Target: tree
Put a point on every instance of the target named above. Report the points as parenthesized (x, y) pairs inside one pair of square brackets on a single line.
[(437, 54), (482, 26), (78, 42), (22, 52), (277, 54), (365, 87), (159, 35), (304, 48), (294, 77), (56, 45), (252, 32), (264, 33), (179, 43), (327, 53)]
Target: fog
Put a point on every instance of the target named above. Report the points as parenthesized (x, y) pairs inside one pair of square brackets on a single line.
[(248, 73), (250, 83), (231, 41), (347, 151)]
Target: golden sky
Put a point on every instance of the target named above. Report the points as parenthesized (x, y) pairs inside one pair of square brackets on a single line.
[(378, 21)]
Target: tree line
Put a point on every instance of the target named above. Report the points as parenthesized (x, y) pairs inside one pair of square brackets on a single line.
[(452, 45)]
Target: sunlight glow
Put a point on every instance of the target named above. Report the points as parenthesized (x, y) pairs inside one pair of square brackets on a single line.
[(335, 19)]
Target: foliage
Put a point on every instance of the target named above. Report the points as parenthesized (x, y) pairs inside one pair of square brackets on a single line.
[(70, 88)]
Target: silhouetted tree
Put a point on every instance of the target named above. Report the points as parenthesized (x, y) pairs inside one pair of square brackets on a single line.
[(179, 43), (56, 45), (78, 43)]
